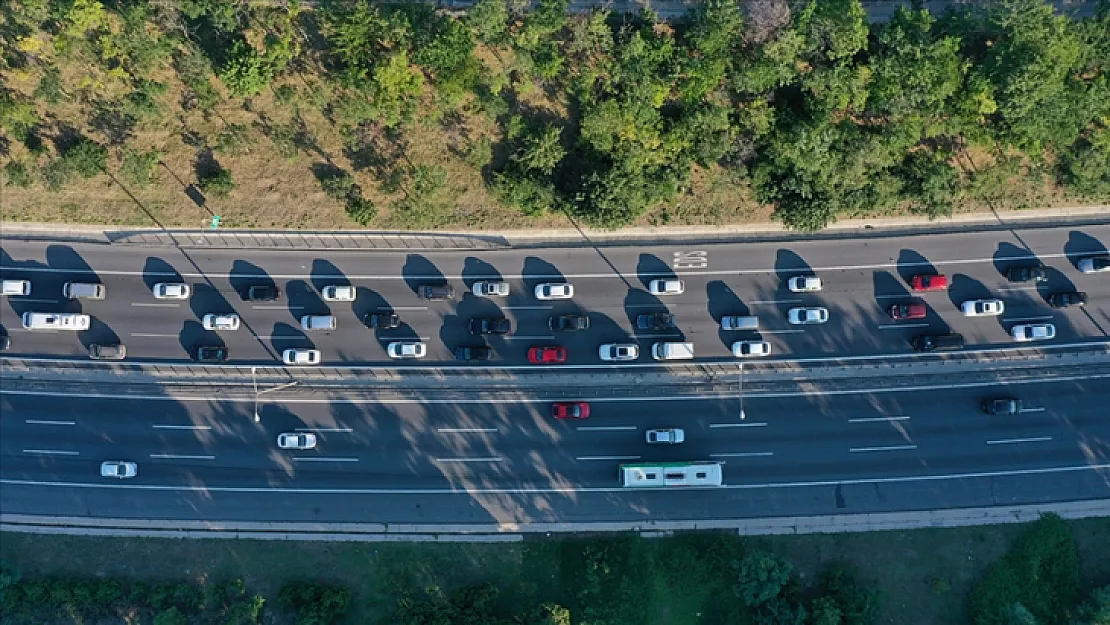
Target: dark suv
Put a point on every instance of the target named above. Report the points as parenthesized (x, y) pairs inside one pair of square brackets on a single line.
[(436, 291), (107, 352), (489, 325), (1001, 405), (263, 293), (1067, 298), (212, 353), (476, 353), (382, 321), (1028, 273), (938, 342), (569, 323), (656, 322)]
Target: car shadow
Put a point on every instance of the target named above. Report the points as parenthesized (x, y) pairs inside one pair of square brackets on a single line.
[(789, 264), (650, 267), (476, 270), (419, 270), (1081, 245), (911, 263), (888, 289), (537, 271), (245, 274), (284, 336), (193, 336), (303, 300), (156, 270), (325, 273), (723, 301), (1009, 255), (367, 302)]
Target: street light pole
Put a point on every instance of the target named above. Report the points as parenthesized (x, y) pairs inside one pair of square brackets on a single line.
[(742, 415), (258, 394)]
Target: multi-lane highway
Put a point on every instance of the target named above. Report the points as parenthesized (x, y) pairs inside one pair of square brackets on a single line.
[(502, 457)]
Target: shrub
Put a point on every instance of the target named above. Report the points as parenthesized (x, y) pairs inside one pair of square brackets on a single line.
[(315, 604), (16, 175), (87, 158), (57, 174), (361, 210), (217, 181), (50, 86), (338, 185), (171, 616), (235, 139), (137, 168)]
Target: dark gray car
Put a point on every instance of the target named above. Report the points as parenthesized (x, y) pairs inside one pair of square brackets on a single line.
[(107, 352)]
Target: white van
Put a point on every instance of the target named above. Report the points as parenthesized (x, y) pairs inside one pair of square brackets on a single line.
[(15, 287), (318, 322), (672, 351), (55, 321), (83, 290), (736, 322)]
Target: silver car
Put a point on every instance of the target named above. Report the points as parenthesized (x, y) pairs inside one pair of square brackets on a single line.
[(804, 284), (297, 357), (1025, 332), (983, 308), (618, 352), (407, 349), (228, 322), (665, 436), (171, 290), (296, 440), (807, 316), (491, 288), (338, 293), (554, 290), (119, 469)]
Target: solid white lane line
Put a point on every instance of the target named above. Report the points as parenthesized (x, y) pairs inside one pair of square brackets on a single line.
[(396, 308), (1014, 319), (289, 337), (32, 300), (347, 430), (750, 454), (549, 337), (151, 335), (895, 296), (780, 331), (155, 305), (895, 326), (889, 448), (1017, 288), (181, 427), (490, 459), (52, 452), (660, 305), (38, 422), (607, 458), (180, 457), (874, 419), (606, 428), (1007, 441), (465, 430), (276, 307), (322, 459), (1032, 410), (527, 307), (754, 424), (776, 301)]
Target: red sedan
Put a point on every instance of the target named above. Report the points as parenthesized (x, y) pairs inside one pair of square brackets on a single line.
[(570, 410), (924, 282), (545, 355)]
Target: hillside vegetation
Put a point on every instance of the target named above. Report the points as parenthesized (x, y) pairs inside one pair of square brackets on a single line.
[(351, 113)]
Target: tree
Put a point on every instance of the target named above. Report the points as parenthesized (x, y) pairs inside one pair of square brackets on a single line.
[(217, 181), (87, 158), (1096, 610), (541, 151), (1085, 166), (315, 604), (761, 578), (835, 29), (489, 19)]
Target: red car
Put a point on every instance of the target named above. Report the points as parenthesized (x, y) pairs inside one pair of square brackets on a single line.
[(570, 410), (915, 310), (935, 282), (544, 355)]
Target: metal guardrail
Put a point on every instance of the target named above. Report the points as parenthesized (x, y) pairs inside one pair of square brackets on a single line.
[(306, 240)]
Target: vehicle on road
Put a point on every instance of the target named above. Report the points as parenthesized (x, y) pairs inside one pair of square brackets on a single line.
[(1094, 264), (473, 353), (490, 288), (672, 351), (982, 307), (84, 290), (1025, 332), (569, 323), (938, 342), (227, 321), (1067, 298), (263, 293), (804, 284), (212, 353), (655, 322), (913, 310), (672, 474), (739, 322), (107, 352), (929, 282), (5, 341), (318, 322), (665, 436), (570, 410), (748, 349), (382, 321), (338, 293), (1027, 273), (547, 355), (1001, 406), (489, 325), (807, 316), (171, 290), (554, 290), (119, 469), (15, 288), (618, 352), (296, 440), (407, 349), (298, 357), (56, 321), (666, 286), (436, 292)]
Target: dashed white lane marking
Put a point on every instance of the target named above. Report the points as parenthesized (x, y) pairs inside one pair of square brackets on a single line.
[(155, 305), (748, 454), (1017, 288), (1032, 410), (607, 458), (32, 300), (527, 307), (396, 308), (753, 424), (52, 452), (1016, 319), (345, 430), (895, 296), (154, 335), (322, 459), (606, 428), (489, 459), (781, 331), (889, 448), (44, 422), (1008, 441), (181, 427), (277, 307), (895, 326), (181, 457), (776, 301), (466, 430), (875, 419), (547, 337)]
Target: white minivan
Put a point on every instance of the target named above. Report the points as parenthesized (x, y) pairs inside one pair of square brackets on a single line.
[(55, 321), (15, 287), (83, 290), (318, 322), (672, 351)]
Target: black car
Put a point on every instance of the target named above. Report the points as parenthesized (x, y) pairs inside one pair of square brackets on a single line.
[(474, 353), (212, 353), (1001, 405), (656, 322), (436, 291), (1028, 273), (1067, 298), (5, 342), (938, 342), (569, 323), (489, 325), (263, 293), (382, 321), (107, 352)]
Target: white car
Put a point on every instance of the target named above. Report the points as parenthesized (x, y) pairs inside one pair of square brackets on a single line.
[(301, 356), (407, 349), (335, 293), (982, 307), (118, 469), (618, 352), (1094, 264), (296, 440), (666, 286), (807, 316), (229, 321), (804, 284), (490, 288), (1025, 332), (747, 349), (554, 290), (15, 287), (171, 290), (665, 436)]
